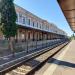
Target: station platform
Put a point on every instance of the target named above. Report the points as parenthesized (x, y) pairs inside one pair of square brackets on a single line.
[(63, 63)]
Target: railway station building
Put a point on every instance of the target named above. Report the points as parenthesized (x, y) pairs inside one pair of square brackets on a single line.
[(31, 27)]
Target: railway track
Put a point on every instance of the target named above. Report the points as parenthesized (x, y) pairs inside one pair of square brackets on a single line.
[(30, 66)]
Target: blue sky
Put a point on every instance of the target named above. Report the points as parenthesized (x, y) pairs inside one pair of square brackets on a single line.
[(48, 10)]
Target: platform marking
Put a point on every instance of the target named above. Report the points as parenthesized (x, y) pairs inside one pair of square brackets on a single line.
[(52, 67)]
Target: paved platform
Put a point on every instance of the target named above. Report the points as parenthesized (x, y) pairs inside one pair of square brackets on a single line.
[(64, 63)]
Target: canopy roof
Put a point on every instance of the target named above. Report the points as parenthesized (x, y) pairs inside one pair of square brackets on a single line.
[(68, 8)]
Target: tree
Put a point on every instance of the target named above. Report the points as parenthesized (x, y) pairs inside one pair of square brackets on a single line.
[(8, 21)]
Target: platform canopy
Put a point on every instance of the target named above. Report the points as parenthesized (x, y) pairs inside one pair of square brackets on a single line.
[(68, 8)]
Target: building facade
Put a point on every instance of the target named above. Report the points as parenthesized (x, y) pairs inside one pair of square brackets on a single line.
[(32, 27)]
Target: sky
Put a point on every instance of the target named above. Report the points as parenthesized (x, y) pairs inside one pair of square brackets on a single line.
[(48, 10)]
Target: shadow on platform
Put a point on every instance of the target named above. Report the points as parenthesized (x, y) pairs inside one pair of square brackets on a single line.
[(62, 63)]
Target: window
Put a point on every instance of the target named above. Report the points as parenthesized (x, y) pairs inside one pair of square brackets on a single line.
[(28, 21), (20, 17), (40, 26), (23, 20), (33, 24), (37, 24)]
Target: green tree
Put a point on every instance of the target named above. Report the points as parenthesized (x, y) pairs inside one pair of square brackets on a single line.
[(8, 21)]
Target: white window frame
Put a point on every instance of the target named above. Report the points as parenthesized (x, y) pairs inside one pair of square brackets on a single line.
[(27, 21), (20, 17), (24, 18)]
